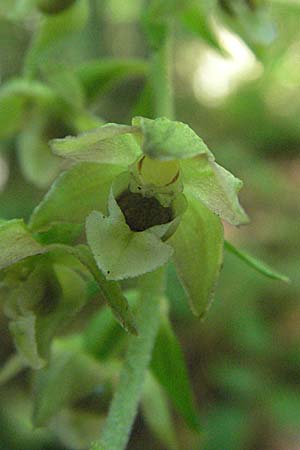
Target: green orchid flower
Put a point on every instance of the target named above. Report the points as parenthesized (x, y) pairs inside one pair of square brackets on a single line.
[(164, 198)]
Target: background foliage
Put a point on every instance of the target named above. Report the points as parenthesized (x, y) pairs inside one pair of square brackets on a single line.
[(237, 84)]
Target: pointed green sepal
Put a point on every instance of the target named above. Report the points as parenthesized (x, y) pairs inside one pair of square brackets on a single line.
[(109, 144), (198, 245), (75, 193), (215, 187), (168, 140)]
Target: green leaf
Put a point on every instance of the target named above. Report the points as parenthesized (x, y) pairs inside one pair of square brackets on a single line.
[(111, 143), (169, 368), (98, 76), (75, 193), (52, 30), (121, 253), (166, 139), (198, 245), (16, 243), (157, 413), (215, 187), (70, 375), (256, 264)]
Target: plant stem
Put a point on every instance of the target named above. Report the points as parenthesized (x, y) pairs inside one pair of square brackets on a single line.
[(124, 405), (161, 78)]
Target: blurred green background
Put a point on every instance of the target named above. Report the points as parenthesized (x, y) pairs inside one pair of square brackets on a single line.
[(244, 101)]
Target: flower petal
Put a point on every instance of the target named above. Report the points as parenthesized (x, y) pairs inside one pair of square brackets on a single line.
[(198, 245), (166, 139), (111, 143), (215, 187), (121, 253)]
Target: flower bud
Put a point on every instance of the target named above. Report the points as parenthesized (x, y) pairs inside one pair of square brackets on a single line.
[(54, 6)]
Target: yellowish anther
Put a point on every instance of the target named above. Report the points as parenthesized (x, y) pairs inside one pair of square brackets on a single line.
[(159, 173)]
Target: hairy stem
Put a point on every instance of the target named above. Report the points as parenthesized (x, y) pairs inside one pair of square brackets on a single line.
[(124, 405)]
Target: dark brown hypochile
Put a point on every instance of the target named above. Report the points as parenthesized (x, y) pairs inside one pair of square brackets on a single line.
[(142, 212)]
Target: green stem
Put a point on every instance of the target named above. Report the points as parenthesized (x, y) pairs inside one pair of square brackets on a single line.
[(161, 78), (124, 405), (11, 368)]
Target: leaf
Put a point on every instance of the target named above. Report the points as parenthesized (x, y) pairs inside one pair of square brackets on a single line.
[(52, 30), (215, 187), (157, 413), (169, 368), (121, 253), (70, 375), (97, 76), (75, 193), (198, 245), (16, 243), (256, 264), (109, 144), (165, 139)]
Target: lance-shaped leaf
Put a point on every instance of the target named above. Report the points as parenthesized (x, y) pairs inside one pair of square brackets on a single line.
[(198, 245), (109, 144), (78, 191), (121, 253), (215, 187), (16, 243), (256, 264), (166, 139), (170, 370)]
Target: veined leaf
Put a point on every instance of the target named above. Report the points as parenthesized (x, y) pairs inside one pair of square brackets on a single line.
[(198, 245), (259, 266)]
